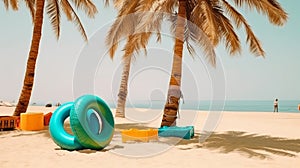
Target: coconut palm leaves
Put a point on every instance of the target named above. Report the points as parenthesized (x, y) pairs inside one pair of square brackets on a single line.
[(217, 18), (53, 9), (14, 5)]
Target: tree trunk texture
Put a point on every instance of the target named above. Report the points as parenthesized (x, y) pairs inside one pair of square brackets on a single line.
[(120, 110), (174, 92), (31, 62)]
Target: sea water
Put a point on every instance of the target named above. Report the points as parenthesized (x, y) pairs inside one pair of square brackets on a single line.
[(290, 106)]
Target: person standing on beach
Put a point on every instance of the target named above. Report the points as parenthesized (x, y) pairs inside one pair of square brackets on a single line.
[(276, 105)]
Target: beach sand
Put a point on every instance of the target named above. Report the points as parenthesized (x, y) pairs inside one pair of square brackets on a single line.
[(240, 139)]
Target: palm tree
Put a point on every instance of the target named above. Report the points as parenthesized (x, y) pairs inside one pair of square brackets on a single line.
[(120, 110), (213, 17), (124, 26), (53, 9)]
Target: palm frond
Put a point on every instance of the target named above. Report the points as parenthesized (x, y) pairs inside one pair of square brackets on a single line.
[(117, 3), (271, 8), (145, 5), (91, 9), (153, 13), (190, 48), (14, 4), (123, 26), (54, 15), (161, 6), (134, 44), (255, 46), (106, 3), (187, 37), (75, 19), (234, 14), (129, 7), (210, 25), (144, 39), (6, 4), (128, 49), (169, 6), (232, 41), (87, 6), (158, 37), (142, 36), (31, 5), (67, 8), (190, 6), (151, 20), (149, 17), (195, 34), (172, 18), (276, 14)]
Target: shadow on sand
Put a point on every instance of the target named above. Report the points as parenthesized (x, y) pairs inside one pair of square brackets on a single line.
[(19, 133), (252, 145)]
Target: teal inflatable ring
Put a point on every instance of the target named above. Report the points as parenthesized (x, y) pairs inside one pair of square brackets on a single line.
[(92, 122), (57, 131)]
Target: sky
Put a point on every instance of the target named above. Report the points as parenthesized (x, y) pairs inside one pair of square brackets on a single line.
[(69, 67)]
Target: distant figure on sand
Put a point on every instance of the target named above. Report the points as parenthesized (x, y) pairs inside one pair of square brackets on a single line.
[(276, 105)]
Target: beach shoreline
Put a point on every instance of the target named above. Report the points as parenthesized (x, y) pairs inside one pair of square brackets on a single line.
[(245, 139)]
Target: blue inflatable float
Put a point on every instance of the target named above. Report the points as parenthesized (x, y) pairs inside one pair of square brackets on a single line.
[(174, 131), (91, 121), (57, 131)]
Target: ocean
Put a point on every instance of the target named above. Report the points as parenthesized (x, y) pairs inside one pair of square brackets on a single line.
[(290, 106)]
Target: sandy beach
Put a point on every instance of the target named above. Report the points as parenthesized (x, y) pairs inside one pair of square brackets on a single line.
[(240, 139)]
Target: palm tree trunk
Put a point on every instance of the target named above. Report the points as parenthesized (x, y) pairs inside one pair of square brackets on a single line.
[(120, 110), (31, 62), (174, 92)]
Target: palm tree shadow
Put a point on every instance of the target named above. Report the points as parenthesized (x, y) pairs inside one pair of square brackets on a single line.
[(252, 145)]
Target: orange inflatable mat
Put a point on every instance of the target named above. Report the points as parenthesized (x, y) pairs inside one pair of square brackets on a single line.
[(139, 135)]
